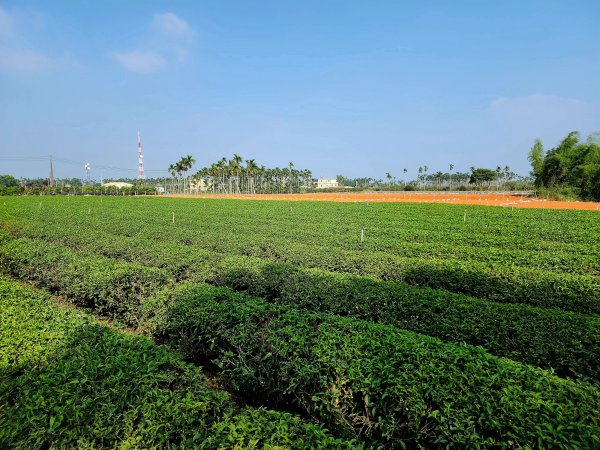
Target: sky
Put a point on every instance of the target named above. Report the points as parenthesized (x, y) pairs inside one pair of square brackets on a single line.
[(338, 87)]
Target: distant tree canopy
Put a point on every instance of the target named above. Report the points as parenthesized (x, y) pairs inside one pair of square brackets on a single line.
[(236, 176), (501, 178), (8, 181), (536, 158), (480, 176), (9, 185), (572, 163)]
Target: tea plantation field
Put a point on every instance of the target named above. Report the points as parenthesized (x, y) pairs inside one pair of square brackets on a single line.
[(154, 322)]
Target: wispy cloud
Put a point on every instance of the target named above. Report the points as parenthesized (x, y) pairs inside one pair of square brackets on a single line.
[(24, 60), (528, 103), (139, 61), (544, 111), (166, 46), (17, 57), (6, 24), (518, 120), (173, 25), (181, 54)]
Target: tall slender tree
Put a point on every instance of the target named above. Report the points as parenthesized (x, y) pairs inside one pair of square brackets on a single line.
[(389, 177), (291, 175), (184, 165), (173, 172), (251, 170), (536, 158)]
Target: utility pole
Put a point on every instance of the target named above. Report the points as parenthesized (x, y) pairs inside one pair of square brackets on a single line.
[(51, 173)]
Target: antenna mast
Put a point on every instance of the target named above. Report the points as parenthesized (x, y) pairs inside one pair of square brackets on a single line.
[(140, 159)]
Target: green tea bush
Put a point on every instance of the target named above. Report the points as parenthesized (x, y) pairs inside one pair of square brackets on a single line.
[(541, 257), (386, 386), (107, 286), (566, 342), (68, 382)]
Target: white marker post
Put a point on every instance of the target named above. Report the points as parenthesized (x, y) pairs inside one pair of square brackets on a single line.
[(362, 235)]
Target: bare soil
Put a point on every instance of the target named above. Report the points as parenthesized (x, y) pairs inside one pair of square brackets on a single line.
[(487, 199)]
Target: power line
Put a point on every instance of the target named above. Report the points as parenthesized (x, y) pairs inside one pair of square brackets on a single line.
[(23, 158), (103, 167), (78, 163)]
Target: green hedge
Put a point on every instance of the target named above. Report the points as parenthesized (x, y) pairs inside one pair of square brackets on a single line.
[(564, 341), (501, 283), (107, 286), (67, 382), (496, 254), (361, 378), (387, 386)]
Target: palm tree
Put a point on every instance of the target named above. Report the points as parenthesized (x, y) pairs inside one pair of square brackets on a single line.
[(264, 174), (173, 171), (214, 174), (285, 177), (201, 179), (184, 165), (251, 170), (236, 165), (506, 173), (438, 177), (451, 166), (291, 169), (498, 172), (233, 170), (180, 168), (221, 169), (307, 176), (389, 177)]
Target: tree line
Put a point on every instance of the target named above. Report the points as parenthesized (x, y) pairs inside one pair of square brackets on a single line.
[(480, 178), (239, 176), (10, 185), (569, 170)]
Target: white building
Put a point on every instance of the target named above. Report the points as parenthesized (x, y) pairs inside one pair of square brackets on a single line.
[(324, 183)]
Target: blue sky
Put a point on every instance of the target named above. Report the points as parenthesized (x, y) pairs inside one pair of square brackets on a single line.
[(340, 87)]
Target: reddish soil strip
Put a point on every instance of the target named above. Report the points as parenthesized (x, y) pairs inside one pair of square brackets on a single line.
[(488, 199)]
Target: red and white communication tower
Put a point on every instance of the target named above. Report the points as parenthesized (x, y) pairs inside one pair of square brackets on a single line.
[(140, 159)]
